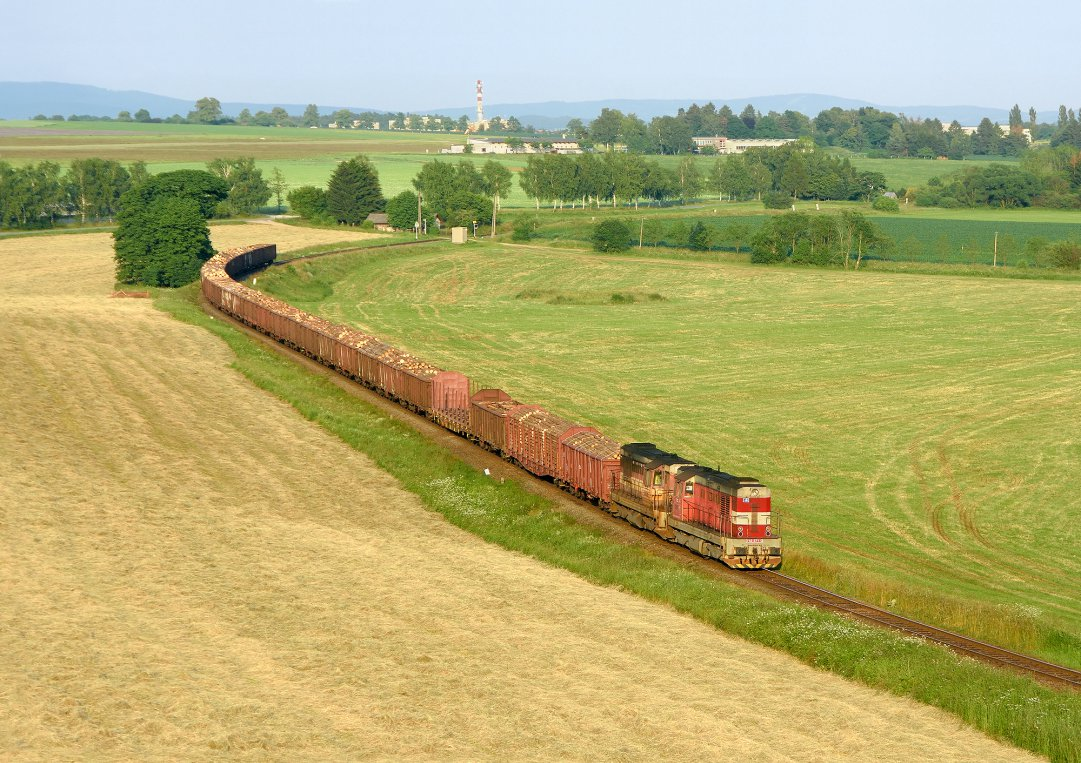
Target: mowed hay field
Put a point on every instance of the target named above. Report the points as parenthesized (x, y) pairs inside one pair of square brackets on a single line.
[(191, 570), (920, 434)]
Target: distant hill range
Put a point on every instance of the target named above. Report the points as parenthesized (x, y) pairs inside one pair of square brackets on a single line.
[(23, 100)]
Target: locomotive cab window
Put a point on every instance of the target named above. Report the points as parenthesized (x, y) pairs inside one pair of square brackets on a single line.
[(658, 479)]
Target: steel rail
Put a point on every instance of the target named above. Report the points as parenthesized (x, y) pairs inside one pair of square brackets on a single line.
[(1046, 671)]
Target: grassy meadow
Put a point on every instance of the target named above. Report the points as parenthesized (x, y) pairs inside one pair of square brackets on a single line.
[(960, 237), (192, 570), (919, 433)]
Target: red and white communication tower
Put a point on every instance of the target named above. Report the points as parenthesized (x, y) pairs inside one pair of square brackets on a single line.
[(480, 103)]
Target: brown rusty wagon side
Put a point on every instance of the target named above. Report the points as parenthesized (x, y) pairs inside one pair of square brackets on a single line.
[(589, 463), (488, 410)]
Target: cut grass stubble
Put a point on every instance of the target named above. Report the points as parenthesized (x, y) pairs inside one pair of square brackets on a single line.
[(1006, 706)]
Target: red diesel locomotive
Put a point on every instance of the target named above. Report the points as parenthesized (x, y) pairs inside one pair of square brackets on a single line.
[(710, 512)]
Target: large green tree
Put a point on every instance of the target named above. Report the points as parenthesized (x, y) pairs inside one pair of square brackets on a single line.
[(308, 201), (278, 185), (207, 111), (353, 191), (248, 190), (690, 179), (402, 210), (436, 182), (439, 182), (162, 238), (794, 178), (611, 236), (606, 128)]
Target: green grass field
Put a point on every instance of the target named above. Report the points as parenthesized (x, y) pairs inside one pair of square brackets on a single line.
[(919, 433), (919, 235)]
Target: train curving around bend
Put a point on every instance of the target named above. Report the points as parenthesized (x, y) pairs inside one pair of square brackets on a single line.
[(710, 512)]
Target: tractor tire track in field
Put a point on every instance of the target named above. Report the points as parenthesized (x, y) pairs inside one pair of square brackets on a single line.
[(931, 509), (957, 498)]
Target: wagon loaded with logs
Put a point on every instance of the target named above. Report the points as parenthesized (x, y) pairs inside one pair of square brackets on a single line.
[(711, 512)]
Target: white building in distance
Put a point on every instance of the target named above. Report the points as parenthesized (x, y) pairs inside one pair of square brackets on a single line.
[(723, 145)]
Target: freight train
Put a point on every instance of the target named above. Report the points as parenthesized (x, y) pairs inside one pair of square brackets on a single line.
[(713, 513)]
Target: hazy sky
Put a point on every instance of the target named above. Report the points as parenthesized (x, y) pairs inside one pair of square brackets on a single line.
[(421, 54)]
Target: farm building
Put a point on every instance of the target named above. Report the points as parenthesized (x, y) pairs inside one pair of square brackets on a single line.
[(1001, 131), (494, 146), (379, 220), (723, 145)]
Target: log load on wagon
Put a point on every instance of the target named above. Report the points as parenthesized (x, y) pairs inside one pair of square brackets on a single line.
[(713, 513)]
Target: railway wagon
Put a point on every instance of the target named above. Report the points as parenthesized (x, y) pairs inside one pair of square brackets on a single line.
[(249, 258), (393, 372), (406, 378), (533, 438), (488, 409), (450, 401), (588, 464), (713, 513)]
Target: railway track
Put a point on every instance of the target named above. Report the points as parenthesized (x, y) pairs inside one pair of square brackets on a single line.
[(279, 263), (1046, 672)]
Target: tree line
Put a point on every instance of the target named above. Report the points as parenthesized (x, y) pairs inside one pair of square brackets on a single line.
[(863, 130), (673, 134), (456, 194), (841, 240), (208, 111), (1046, 176), (38, 195), (797, 170)]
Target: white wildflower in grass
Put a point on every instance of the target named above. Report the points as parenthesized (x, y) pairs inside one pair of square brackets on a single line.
[(1021, 612), (453, 496)]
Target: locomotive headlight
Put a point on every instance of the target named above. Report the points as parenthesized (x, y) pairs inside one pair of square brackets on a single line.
[(754, 491)]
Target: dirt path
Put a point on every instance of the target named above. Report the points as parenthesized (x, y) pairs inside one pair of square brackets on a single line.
[(188, 569)]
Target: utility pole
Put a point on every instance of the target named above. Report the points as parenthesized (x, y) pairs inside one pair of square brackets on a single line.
[(994, 263), (419, 216), (641, 230)]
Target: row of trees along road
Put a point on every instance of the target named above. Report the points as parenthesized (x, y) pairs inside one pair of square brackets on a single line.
[(799, 169), (38, 195)]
